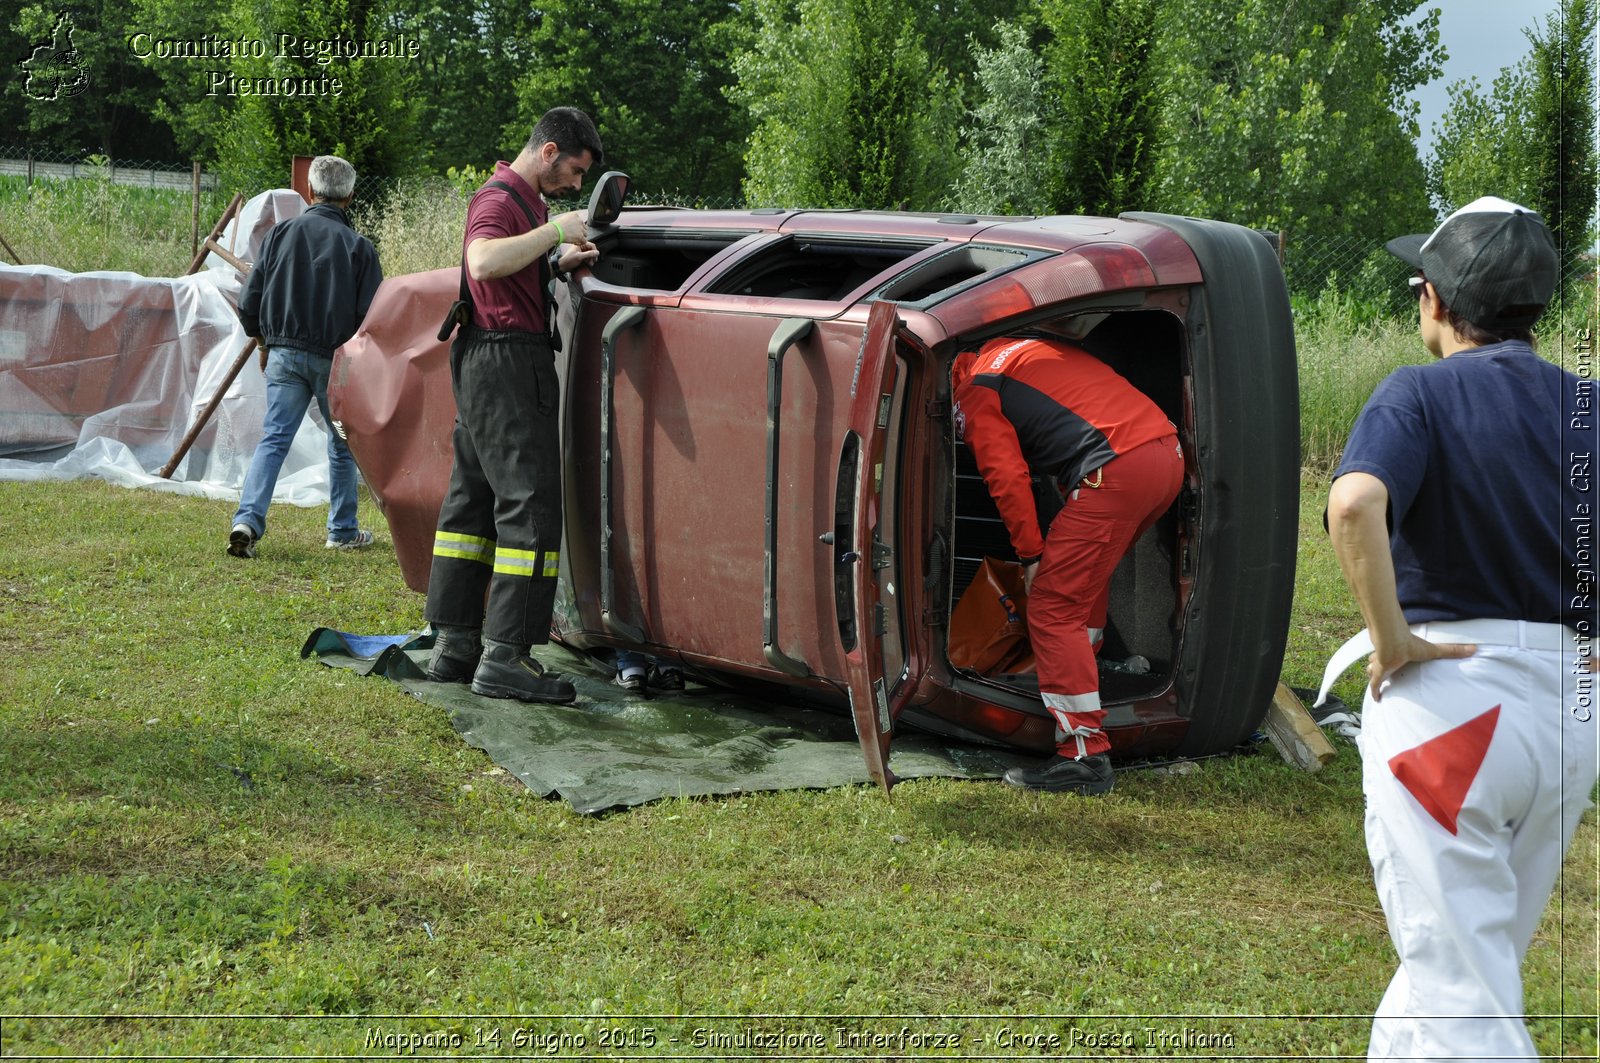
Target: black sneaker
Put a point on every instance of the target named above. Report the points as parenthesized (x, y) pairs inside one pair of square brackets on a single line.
[(1089, 776), (665, 679), (632, 682), (521, 678), (242, 541)]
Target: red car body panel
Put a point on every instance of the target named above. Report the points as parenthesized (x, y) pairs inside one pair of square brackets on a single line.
[(390, 391), (758, 452)]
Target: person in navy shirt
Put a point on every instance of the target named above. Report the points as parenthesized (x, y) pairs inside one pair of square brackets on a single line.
[(1461, 514)]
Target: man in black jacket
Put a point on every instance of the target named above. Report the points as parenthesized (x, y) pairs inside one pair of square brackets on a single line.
[(311, 286)]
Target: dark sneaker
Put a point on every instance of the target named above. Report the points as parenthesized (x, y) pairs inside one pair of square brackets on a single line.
[(523, 679), (665, 679), (360, 541), (633, 683), (242, 541), (1091, 775)]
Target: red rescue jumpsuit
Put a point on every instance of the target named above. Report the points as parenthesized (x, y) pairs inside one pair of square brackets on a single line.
[(1047, 407)]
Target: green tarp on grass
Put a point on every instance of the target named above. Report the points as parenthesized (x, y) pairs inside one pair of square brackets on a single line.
[(611, 749)]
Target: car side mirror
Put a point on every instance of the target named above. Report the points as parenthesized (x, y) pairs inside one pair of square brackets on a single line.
[(605, 203)]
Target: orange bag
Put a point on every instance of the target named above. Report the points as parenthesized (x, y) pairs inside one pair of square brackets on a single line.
[(989, 625)]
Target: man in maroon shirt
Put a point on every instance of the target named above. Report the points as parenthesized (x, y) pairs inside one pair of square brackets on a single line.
[(1043, 407), (499, 532)]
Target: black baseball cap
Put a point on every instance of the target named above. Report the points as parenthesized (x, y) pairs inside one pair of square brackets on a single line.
[(1492, 262)]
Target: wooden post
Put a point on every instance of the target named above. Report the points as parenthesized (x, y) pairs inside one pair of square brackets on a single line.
[(14, 256), (1295, 734), (194, 223), (209, 247), (216, 231), (205, 414), (227, 256)]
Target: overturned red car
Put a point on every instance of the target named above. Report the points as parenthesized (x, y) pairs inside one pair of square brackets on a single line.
[(763, 479)]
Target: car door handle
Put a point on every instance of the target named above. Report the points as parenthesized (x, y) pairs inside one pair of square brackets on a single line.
[(621, 321), (788, 333)]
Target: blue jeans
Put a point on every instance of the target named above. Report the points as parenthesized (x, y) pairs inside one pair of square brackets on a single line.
[(633, 660), (294, 378)]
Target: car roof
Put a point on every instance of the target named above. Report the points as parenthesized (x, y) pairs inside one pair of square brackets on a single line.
[(1052, 233)]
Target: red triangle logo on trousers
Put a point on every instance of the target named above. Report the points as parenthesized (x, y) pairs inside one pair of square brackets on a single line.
[(1439, 772)]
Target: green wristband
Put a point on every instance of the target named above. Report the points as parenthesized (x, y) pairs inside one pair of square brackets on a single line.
[(561, 237)]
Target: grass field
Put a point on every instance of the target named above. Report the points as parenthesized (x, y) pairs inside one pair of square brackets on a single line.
[(195, 823), (92, 224)]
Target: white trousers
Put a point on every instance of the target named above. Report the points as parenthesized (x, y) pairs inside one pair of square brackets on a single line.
[(1476, 772)]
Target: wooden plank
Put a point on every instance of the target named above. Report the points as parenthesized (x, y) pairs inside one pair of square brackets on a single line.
[(1295, 734)]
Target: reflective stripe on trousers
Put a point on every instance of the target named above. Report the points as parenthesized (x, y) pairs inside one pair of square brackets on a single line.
[(498, 545), (1072, 589)]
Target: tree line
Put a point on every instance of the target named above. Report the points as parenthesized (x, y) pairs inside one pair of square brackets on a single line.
[(1280, 115)]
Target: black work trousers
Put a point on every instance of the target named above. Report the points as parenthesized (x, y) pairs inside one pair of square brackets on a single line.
[(499, 531)]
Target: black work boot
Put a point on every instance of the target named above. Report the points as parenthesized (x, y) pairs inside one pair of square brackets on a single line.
[(455, 654), (1089, 775), (506, 671)]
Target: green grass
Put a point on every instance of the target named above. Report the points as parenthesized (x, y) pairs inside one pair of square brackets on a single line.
[(1344, 350), (195, 822), (88, 223)]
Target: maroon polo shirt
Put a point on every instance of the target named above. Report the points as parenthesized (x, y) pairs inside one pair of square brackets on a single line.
[(517, 301)]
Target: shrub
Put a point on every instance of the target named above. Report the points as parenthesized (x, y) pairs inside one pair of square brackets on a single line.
[(1344, 350), (418, 225)]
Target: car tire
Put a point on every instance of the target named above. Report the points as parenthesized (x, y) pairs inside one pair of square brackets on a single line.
[(1247, 440)]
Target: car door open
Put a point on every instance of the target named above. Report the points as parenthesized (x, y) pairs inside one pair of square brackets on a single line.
[(860, 553)]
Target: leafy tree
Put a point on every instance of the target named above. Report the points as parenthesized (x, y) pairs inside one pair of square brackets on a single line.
[(1004, 163), (847, 109), (75, 87), (1562, 113), (654, 75), (1068, 125), (954, 32), (251, 109), (466, 75), (1284, 116), (1108, 102), (1482, 142), (1530, 137)]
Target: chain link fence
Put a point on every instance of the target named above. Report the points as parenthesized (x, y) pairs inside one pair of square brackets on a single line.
[(1364, 275), (89, 212)]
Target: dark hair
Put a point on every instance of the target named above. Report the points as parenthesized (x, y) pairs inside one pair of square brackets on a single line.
[(1479, 336), (570, 129)]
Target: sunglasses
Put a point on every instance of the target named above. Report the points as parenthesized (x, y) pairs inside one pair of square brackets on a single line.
[(1415, 284)]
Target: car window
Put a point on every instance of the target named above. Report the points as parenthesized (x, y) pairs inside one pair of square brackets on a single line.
[(826, 269), (659, 260), (945, 273)]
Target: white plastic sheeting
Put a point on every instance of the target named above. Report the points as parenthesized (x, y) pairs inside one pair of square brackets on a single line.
[(102, 375)]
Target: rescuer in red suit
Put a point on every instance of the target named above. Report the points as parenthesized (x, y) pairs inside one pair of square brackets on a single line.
[(1044, 407)]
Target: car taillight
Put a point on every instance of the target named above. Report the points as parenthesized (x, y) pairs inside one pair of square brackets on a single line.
[(1118, 265), (995, 719), (986, 303), (1084, 271), (1002, 300)]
